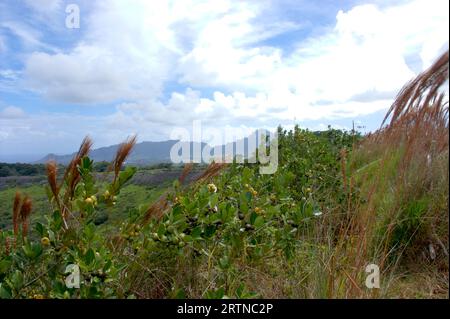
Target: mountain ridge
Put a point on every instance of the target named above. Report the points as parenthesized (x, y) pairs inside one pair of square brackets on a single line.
[(149, 152)]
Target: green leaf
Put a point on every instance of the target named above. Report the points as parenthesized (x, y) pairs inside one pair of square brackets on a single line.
[(217, 294), (243, 203), (179, 294), (220, 293), (240, 290), (86, 163), (89, 231), (17, 280), (57, 220), (5, 264), (196, 233), (215, 217), (40, 229), (58, 287), (213, 200), (253, 217), (89, 257), (259, 221), (32, 250), (107, 265), (161, 230), (5, 292), (126, 175)]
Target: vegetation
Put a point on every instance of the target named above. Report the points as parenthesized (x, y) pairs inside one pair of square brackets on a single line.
[(20, 169), (24, 169), (337, 202)]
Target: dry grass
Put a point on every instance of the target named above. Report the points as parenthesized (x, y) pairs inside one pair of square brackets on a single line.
[(52, 173), (22, 208), (211, 171), (25, 212), (16, 212), (406, 162), (122, 153), (71, 175)]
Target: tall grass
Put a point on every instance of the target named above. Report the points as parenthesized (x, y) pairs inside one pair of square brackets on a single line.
[(402, 174)]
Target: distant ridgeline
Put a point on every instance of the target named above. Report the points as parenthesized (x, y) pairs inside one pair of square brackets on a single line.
[(145, 153), (149, 153)]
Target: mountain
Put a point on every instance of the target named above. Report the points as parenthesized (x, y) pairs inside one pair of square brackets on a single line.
[(143, 153), (159, 152)]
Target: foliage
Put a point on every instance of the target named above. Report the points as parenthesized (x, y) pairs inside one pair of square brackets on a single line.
[(337, 202), (21, 169)]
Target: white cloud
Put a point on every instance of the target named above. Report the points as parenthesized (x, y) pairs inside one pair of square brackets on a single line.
[(350, 69), (362, 56), (217, 46), (127, 53), (12, 112), (88, 75)]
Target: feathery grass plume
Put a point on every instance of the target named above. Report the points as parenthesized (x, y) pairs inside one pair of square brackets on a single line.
[(419, 117), (419, 114), (422, 91), (156, 210), (71, 175), (25, 212), (71, 178), (123, 152), (212, 170), (52, 172), (186, 170), (405, 179), (16, 212)]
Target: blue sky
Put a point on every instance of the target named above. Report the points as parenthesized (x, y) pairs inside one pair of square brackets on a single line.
[(148, 67)]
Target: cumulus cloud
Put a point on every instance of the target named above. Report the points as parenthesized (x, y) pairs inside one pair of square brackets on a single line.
[(218, 46), (125, 54), (88, 75)]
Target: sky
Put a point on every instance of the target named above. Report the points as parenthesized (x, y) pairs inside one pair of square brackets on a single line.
[(150, 67)]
